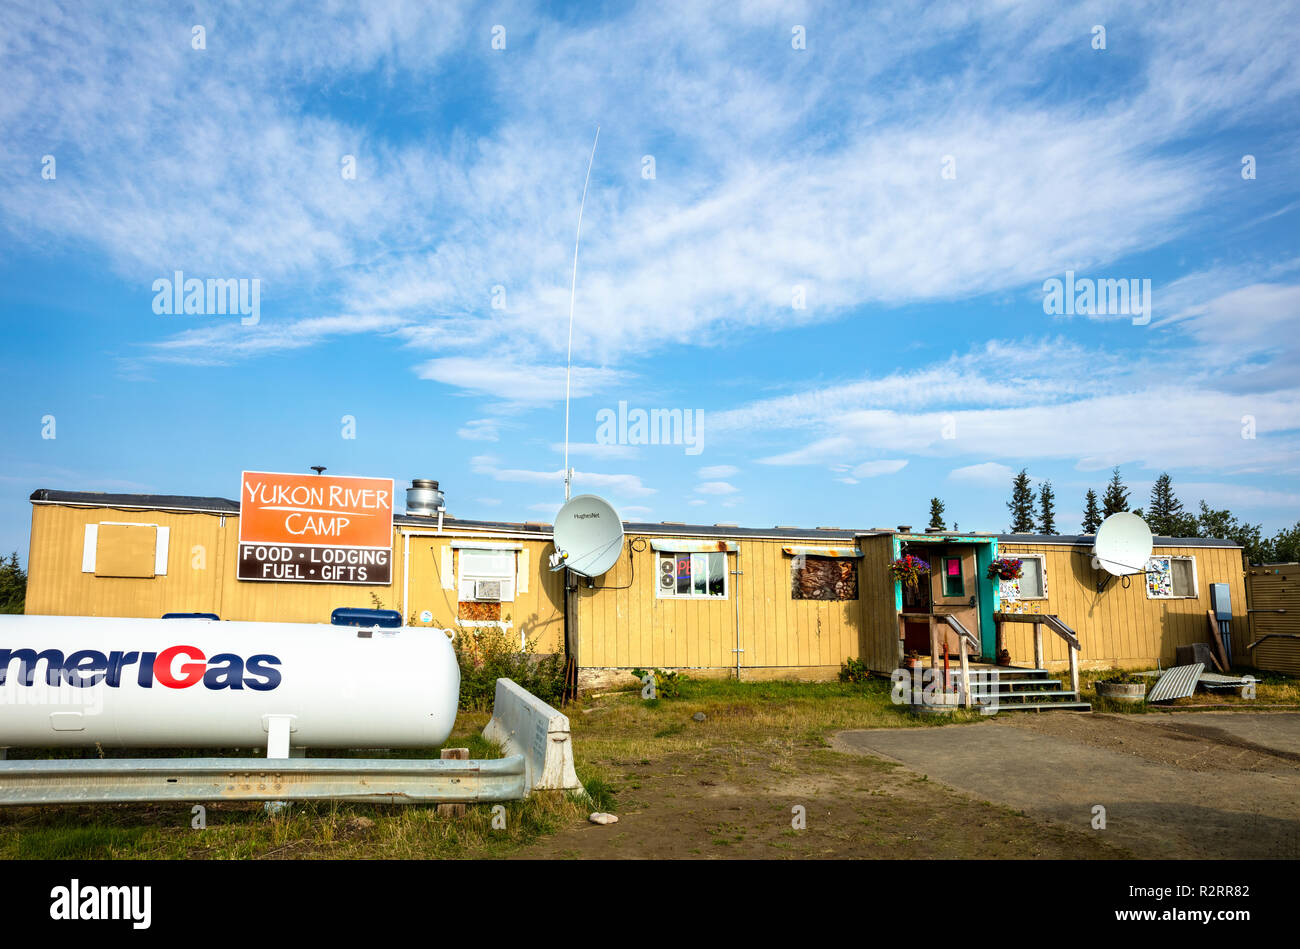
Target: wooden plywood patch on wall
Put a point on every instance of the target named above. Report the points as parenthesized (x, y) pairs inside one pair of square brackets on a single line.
[(125, 550)]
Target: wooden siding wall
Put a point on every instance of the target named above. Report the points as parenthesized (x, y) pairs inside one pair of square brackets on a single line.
[(537, 613), (879, 612), (623, 623), (1273, 588), (1120, 627), (622, 626), (201, 578)]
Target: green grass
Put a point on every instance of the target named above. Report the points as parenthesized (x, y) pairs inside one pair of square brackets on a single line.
[(600, 794)]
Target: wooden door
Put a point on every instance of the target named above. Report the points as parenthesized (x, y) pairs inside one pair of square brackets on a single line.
[(954, 590)]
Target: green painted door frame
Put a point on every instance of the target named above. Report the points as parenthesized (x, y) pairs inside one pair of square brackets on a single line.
[(987, 592)]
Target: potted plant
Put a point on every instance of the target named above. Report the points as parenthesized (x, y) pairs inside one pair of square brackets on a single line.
[(908, 569), (1005, 568), (911, 660), (1122, 687), (1004, 657)]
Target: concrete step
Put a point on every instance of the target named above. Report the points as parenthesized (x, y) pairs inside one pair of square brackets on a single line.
[(1004, 696)]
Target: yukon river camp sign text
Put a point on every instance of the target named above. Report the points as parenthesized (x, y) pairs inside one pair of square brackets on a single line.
[(315, 529)]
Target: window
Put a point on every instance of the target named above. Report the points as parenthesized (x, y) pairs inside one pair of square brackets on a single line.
[(490, 565), (952, 581), (692, 576), (823, 578), (1171, 577), (1032, 584)]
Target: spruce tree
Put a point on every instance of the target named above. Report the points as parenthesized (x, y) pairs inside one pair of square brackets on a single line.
[(1091, 516), (936, 514), (13, 585), (1021, 504), (1165, 513), (1116, 497), (1046, 508)]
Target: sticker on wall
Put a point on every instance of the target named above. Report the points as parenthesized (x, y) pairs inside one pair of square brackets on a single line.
[(1160, 577), (426, 616)]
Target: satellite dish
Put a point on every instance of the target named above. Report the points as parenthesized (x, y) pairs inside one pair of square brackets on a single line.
[(1123, 545), (588, 536)]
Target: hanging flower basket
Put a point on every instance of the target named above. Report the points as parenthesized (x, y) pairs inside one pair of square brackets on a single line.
[(909, 569), (1004, 569)]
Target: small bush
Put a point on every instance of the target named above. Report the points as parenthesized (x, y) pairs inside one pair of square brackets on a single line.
[(854, 670), (668, 685), (488, 653)]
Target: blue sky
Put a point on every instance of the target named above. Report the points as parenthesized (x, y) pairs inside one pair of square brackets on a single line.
[(914, 176)]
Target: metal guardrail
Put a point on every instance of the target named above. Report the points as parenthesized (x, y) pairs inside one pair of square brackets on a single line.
[(371, 780)]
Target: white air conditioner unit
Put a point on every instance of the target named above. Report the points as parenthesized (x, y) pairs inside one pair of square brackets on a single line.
[(487, 590)]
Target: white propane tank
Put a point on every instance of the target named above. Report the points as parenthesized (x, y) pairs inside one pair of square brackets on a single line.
[(79, 680)]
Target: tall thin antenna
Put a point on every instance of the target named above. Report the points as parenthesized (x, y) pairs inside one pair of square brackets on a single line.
[(573, 292)]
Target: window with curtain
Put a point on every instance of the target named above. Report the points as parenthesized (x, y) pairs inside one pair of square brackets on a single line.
[(692, 575)]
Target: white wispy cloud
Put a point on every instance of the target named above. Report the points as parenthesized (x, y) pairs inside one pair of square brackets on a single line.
[(870, 469), (620, 484), (715, 487), (746, 207), (988, 472)]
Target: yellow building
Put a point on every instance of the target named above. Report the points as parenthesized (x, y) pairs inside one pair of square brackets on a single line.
[(719, 600)]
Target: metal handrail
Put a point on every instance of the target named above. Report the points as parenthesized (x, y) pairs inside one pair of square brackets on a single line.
[(1053, 622), (961, 630)]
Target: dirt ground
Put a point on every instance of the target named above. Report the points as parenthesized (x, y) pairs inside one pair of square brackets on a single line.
[(1192, 785), (730, 803)]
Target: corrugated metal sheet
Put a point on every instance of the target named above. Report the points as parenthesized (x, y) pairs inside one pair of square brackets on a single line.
[(1270, 588), (1177, 683)]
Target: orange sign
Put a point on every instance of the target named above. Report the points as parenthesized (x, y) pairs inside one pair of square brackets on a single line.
[(315, 511)]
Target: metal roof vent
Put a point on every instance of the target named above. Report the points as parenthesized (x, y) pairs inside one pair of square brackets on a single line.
[(905, 528), (423, 498)]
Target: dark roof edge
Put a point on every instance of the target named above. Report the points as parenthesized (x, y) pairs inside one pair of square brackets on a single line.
[(1086, 540), (202, 505)]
